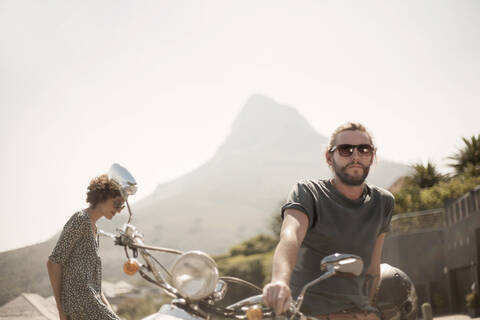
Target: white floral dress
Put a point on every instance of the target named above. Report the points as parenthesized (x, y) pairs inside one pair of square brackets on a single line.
[(77, 251)]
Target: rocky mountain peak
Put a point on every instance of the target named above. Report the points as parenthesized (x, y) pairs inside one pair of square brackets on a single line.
[(263, 121)]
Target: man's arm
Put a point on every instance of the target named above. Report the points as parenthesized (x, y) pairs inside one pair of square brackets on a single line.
[(277, 293), (373, 272), (55, 275)]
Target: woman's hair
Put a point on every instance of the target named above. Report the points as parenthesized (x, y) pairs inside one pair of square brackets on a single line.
[(100, 189), (345, 127)]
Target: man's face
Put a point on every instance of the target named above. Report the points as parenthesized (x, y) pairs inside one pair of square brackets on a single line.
[(353, 169)]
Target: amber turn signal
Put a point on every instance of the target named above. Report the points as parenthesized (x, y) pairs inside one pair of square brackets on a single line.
[(131, 266), (254, 313)]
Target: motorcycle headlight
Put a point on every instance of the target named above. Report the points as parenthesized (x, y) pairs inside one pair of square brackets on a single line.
[(195, 275)]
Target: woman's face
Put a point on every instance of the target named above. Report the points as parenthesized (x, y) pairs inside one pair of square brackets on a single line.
[(111, 206)]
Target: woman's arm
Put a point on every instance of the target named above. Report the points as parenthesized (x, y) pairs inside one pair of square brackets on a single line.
[(373, 272), (277, 293), (55, 275)]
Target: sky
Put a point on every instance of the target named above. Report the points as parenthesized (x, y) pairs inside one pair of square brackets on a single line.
[(156, 86)]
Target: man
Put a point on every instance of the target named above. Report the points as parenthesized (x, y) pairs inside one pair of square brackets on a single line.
[(321, 217)]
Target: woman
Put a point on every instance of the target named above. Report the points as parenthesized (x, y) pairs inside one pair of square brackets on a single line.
[(74, 267)]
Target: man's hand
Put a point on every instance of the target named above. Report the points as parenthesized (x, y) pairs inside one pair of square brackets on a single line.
[(277, 295)]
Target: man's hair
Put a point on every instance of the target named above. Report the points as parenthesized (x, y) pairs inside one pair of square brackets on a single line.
[(100, 189), (352, 126)]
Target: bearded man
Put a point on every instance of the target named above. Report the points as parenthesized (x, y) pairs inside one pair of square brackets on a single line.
[(321, 217)]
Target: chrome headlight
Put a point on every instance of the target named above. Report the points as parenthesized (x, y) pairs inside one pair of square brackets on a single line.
[(195, 275)]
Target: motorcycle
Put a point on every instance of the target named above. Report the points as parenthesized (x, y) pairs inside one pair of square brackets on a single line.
[(194, 283)]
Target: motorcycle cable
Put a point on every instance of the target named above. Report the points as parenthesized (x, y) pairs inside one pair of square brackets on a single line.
[(242, 282), (161, 266), (155, 282)]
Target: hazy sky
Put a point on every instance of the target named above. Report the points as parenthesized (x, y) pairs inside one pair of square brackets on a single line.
[(156, 85)]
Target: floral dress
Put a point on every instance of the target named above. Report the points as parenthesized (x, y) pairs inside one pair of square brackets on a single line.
[(81, 287)]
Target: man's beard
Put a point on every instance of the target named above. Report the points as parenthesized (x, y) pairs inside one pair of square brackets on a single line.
[(347, 179)]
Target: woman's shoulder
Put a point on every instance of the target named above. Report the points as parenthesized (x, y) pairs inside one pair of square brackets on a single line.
[(79, 218)]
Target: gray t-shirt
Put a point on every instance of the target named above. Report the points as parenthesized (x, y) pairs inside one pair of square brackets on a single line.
[(336, 224)]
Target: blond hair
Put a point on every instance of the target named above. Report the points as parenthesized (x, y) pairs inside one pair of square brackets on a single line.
[(352, 126)]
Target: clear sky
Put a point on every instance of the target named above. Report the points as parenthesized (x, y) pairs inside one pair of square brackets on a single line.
[(156, 85)]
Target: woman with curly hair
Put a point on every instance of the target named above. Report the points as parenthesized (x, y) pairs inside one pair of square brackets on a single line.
[(74, 267)]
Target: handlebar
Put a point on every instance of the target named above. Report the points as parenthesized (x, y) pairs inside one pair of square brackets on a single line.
[(160, 249), (130, 238)]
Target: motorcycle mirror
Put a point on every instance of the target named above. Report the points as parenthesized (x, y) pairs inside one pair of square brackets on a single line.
[(344, 263), (125, 182)]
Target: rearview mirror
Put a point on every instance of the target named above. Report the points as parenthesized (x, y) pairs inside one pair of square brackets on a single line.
[(123, 179), (344, 263), (125, 182)]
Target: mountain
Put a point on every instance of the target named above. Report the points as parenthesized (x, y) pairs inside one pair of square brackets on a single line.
[(229, 198)]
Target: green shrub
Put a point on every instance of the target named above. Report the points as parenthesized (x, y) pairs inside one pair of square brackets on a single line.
[(412, 198), (472, 300), (258, 244), (252, 268)]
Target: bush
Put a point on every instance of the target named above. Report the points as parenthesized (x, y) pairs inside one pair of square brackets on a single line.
[(258, 244), (472, 300), (253, 268), (412, 198)]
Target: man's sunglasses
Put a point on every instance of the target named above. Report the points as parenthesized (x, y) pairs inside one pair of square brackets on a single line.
[(346, 150), (118, 204)]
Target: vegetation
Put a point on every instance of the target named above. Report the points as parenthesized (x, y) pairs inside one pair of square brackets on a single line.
[(258, 244), (250, 260), (412, 198), (254, 268), (425, 176), (426, 188), (467, 159), (472, 300)]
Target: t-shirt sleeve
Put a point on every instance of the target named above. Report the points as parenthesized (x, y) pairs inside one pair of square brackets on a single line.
[(72, 232), (302, 199), (388, 213)]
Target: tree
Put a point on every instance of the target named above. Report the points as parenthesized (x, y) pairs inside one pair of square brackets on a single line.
[(425, 176), (467, 159)]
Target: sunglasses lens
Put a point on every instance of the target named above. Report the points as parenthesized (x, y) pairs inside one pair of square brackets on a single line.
[(365, 149), (345, 150), (118, 204)]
